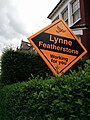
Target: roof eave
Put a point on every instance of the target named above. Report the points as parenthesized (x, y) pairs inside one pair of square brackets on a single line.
[(61, 2), (53, 11)]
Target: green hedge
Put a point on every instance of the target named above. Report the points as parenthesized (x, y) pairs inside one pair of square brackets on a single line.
[(18, 66), (59, 98)]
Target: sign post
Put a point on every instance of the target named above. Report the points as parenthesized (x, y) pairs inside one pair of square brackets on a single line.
[(58, 46)]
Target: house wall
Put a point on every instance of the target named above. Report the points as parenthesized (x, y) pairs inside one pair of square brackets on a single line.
[(87, 11), (82, 11), (86, 32), (86, 42)]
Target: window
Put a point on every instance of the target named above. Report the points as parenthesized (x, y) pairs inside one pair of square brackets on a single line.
[(65, 15), (75, 10)]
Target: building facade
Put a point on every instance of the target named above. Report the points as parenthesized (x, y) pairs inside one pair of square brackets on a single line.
[(26, 46), (76, 14)]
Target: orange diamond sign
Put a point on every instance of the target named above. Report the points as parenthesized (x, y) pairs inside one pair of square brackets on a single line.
[(58, 46)]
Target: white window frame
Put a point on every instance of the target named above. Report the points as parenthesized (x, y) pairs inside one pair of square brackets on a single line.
[(66, 15), (72, 21)]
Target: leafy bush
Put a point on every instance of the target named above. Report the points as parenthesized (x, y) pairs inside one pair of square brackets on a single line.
[(59, 98), (18, 66)]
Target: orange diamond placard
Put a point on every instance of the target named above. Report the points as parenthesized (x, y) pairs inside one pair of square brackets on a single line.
[(58, 46)]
